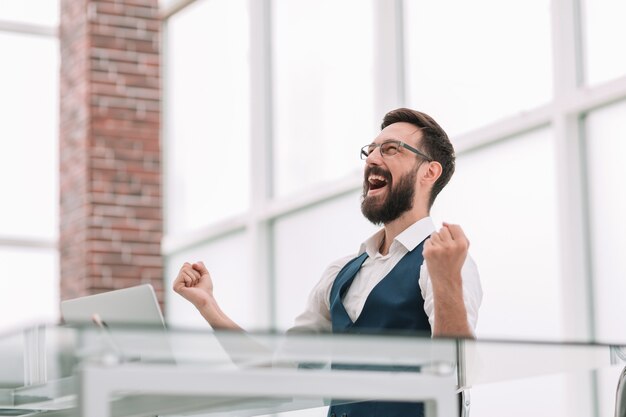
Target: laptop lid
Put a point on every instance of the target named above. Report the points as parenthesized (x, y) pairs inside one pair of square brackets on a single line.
[(133, 305), (130, 321)]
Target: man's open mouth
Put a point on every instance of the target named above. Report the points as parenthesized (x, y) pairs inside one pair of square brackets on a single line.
[(376, 182)]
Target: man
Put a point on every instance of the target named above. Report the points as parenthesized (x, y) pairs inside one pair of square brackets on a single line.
[(400, 280)]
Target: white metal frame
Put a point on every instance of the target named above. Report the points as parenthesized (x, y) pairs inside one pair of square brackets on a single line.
[(98, 383), (28, 28)]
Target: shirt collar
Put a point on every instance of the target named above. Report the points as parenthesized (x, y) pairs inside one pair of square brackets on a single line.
[(409, 238)]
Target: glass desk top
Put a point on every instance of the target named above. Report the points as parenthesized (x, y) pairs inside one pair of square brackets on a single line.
[(129, 370)]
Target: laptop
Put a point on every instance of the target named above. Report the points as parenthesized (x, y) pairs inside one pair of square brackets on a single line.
[(129, 324), (128, 321), (134, 305)]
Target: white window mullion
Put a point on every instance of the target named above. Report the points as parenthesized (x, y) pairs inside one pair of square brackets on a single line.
[(28, 28), (22, 242), (389, 68), (259, 232), (578, 314), (577, 289)]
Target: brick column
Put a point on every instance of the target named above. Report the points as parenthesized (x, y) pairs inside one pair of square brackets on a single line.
[(110, 161)]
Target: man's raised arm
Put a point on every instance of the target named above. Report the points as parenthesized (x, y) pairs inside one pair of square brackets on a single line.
[(445, 252)]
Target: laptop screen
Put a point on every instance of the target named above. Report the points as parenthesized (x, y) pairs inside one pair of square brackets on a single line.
[(134, 305), (130, 323)]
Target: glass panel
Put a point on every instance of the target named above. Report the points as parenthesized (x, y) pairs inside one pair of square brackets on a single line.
[(552, 376), (304, 249), (504, 197), (553, 395), (468, 68), (189, 378), (606, 148), (232, 280), (29, 287), (207, 114), (323, 90), (29, 83), (604, 36), (41, 12)]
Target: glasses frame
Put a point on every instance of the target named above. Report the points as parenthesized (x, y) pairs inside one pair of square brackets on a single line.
[(365, 152)]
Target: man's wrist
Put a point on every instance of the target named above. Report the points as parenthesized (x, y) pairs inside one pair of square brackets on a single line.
[(210, 310), (448, 284)]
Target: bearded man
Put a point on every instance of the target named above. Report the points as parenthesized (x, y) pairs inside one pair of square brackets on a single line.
[(407, 277)]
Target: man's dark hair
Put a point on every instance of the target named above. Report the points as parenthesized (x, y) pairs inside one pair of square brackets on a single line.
[(434, 143)]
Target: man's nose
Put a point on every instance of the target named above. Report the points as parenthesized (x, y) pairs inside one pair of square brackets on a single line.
[(374, 157)]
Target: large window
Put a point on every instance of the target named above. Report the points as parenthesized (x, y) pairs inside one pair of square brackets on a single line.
[(471, 63), (42, 14), (605, 145), (486, 77), (520, 88), (29, 92), (29, 85), (606, 129), (507, 193), (207, 114), (323, 89), (604, 33), (30, 286)]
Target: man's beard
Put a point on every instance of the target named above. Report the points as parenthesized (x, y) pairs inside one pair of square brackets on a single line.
[(398, 201)]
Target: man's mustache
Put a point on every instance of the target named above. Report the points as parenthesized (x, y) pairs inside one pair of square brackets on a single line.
[(376, 170)]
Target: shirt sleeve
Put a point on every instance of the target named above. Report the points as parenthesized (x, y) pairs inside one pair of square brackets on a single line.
[(472, 293), (316, 315)]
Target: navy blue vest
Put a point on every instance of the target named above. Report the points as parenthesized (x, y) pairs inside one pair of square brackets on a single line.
[(395, 305)]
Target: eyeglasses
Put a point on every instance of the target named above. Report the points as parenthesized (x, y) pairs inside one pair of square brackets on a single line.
[(390, 148)]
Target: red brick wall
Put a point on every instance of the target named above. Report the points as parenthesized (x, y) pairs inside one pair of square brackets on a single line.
[(110, 161)]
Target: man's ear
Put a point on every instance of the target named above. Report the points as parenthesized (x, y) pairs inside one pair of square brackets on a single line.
[(432, 173)]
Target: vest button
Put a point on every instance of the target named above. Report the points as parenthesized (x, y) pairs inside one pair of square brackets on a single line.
[(333, 415), (344, 415)]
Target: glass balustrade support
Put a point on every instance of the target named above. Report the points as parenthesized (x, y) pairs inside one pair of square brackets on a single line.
[(35, 356)]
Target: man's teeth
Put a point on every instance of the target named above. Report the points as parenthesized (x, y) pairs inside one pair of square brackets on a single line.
[(376, 178)]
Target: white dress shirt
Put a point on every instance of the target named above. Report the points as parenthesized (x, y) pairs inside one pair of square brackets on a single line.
[(316, 316)]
